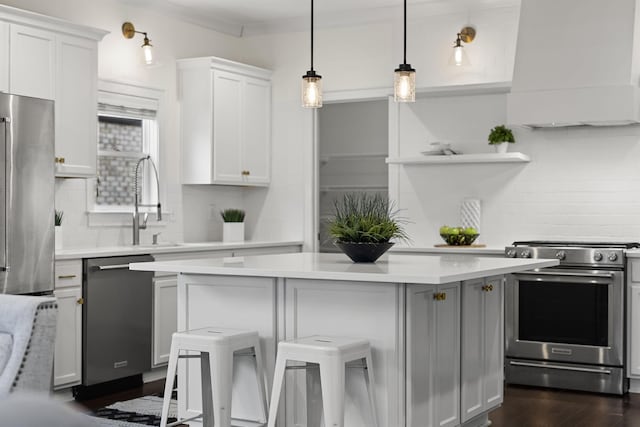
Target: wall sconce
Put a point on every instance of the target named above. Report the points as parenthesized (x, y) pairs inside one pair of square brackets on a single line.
[(128, 31), (459, 56)]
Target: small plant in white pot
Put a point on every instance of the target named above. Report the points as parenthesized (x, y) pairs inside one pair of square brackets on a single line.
[(233, 227), (58, 229), (499, 137)]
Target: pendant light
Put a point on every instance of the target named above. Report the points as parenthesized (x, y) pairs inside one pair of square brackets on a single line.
[(404, 82), (312, 82)]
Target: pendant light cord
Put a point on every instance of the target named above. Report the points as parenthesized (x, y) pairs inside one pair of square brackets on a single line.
[(312, 35), (405, 32)]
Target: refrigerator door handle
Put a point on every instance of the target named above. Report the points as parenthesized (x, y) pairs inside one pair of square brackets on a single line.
[(7, 190)]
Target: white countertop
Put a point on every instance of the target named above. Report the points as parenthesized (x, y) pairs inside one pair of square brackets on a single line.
[(466, 250), (633, 253), (426, 269), (165, 248)]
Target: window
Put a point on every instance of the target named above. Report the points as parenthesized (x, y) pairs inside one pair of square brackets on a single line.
[(127, 132)]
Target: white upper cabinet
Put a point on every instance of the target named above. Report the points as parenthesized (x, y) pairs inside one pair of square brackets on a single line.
[(32, 62), (225, 122), (48, 58), (76, 105)]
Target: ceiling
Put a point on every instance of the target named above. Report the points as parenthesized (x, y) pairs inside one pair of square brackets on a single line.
[(249, 17)]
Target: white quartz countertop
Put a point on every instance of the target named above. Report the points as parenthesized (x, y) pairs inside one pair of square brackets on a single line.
[(400, 268), (633, 253), (466, 250), (166, 248)]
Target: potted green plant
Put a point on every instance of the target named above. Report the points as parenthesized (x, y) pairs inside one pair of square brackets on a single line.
[(58, 229), (499, 136), (363, 226), (233, 227)]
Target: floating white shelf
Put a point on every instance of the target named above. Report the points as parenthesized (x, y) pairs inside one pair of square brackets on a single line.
[(460, 158), (326, 158), (353, 188)]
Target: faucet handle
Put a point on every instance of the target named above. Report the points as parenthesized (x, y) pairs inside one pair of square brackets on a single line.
[(145, 217), (155, 238)]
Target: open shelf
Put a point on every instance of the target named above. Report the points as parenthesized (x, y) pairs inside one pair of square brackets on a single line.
[(460, 158), (325, 188), (328, 157)]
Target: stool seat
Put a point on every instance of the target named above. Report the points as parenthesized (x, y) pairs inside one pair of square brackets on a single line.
[(216, 347), (331, 354)]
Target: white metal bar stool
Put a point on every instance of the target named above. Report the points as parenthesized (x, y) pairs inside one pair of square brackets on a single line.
[(216, 347), (331, 354)]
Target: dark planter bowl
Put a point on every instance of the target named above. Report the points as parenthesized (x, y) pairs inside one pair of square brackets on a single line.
[(364, 252)]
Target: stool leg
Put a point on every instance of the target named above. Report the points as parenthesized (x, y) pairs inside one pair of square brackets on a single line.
[(206, 381), (278, 380), (368, 377), (332, 380), (168, 384), (222, 382), (260, 377), (314, 396)]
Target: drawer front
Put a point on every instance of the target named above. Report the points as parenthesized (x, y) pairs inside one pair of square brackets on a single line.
[(68, 273)]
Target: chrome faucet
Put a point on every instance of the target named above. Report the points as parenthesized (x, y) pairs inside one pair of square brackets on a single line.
[(137, 226)]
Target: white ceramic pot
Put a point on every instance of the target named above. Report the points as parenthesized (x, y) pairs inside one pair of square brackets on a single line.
[(502, 148), (233, 232), (58, 236)]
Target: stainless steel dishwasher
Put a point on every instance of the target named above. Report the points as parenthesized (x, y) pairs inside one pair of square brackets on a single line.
[(117, 316)]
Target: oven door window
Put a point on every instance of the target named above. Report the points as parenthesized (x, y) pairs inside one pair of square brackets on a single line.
[(567, 313)]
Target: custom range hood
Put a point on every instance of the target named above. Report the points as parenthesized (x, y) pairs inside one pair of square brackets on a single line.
[(577, 63)]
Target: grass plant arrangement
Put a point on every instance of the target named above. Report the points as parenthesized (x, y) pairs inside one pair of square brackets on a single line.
[(500, 134), (58, 218), (232, 215), (365, 218)]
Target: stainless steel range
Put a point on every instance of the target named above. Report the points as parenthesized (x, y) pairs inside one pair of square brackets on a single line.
[(565, 325)]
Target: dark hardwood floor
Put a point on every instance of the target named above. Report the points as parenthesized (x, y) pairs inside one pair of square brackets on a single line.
[(522, 407)]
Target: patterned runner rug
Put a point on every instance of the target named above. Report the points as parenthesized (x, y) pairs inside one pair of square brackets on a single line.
[(143, 411)]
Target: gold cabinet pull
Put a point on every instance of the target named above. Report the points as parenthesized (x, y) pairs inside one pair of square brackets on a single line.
[(246, 173), (67, 276), (440, 296), (80, 301), (59, 160)]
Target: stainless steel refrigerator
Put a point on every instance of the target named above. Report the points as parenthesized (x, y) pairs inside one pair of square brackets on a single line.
[(27, 194)]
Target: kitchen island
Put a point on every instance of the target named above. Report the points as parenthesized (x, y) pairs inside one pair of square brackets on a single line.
[(435, 324)]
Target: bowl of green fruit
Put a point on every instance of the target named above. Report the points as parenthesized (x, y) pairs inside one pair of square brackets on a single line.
[(458, 236)]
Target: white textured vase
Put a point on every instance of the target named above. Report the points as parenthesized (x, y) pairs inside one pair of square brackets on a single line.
[(58, 236), (471, 213), (233, 232), (502, 148)]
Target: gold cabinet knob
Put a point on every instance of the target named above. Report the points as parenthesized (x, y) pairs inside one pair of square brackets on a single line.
[(487, 288), (440, 296), (80, 301), (246, 173)]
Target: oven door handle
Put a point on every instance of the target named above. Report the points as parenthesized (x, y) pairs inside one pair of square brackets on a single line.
[(557, 273), (562, 368)]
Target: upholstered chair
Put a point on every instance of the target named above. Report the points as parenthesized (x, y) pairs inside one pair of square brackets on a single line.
[(27, 343)]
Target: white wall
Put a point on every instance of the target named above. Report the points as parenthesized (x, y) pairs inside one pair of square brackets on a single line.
[(120, 59), (360, 57)]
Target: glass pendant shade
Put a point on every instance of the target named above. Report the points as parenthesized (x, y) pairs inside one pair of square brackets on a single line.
[(311, 90), (404, 84), (147, 50), (459, 57)]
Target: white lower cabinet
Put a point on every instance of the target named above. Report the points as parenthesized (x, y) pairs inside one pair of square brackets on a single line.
[(433, 371), (67, 370), (634, 330), (165, 317), (482, 346)]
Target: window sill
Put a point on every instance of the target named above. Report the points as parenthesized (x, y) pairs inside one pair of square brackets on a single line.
[(122, 218)]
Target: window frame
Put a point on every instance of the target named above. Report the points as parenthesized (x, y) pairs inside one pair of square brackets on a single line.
[(140, 97)]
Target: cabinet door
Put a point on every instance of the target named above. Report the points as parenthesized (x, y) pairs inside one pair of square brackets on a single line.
[(67, 367), (256, 147), (494, 342), (32, 62), (4, 56), (433, 361), (634, 326), (76, 104), (473, 348), (447, 373), (227, 127), (165, 317)]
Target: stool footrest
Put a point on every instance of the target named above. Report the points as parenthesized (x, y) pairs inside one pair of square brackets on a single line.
[(190, 356), (177, 423), (316, 366)]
